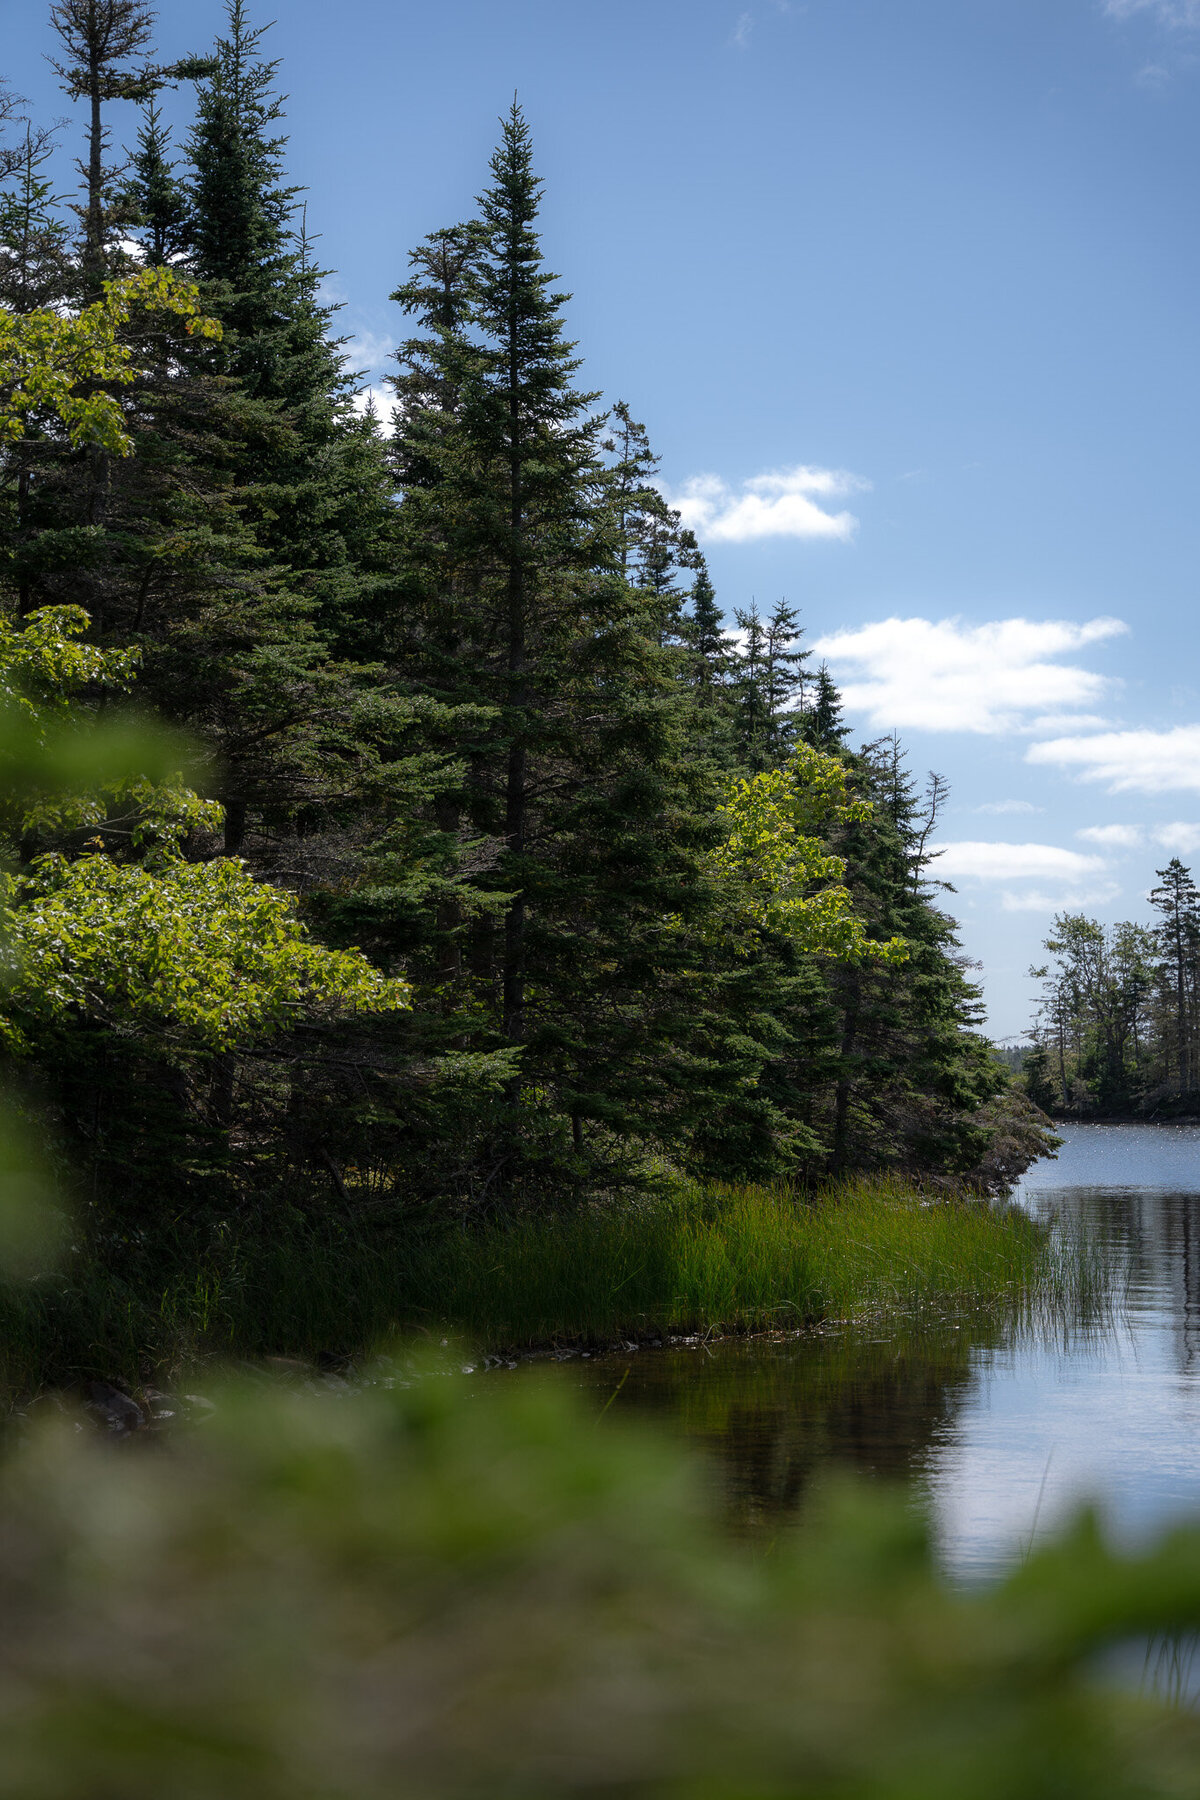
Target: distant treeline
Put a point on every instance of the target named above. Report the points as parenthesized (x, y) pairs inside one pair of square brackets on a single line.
[(1118, 1028), (469, 704)]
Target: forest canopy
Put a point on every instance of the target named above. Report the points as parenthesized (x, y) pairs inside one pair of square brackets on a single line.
[(508, 874)]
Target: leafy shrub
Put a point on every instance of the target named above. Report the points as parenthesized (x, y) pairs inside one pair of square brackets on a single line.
[(424, 1591)]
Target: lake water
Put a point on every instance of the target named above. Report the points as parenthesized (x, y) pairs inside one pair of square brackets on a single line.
[(1004, 1431)]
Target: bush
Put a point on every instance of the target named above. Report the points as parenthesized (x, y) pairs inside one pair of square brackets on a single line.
[(423, 1591)]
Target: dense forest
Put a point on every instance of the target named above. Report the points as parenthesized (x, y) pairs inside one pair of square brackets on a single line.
[(493, 868), (1117, 1032)]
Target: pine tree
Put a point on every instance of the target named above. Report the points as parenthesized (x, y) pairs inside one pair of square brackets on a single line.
[(35, 258), (279, 684), (104, 44), (754, 726), (36, 271), (710, 663), (770, 687), (914, 1073), (530, 622), (823, 727), (12, 153), (98, 37), (154, 200), (1177, 901)]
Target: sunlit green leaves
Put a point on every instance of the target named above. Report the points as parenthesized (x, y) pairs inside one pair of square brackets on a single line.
[(61, 366), (200, 948), (777, 868)]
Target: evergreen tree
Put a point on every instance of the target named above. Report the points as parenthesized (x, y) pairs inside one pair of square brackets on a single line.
[(823, 727), (914, 1072), (36, 270), (35, 257), (784, 675), (104, 44), (754, 726), (155, 201), (769, 687), (710, 663), (1177, 902), (12, 146), (541, 624), (1094, 1026), (99, 37), (273, 666)]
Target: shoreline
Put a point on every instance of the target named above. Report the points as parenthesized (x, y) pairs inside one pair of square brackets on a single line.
[(702, 1262)]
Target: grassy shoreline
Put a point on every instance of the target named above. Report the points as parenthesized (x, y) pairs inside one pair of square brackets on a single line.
[(730, 1259), (701, 1259)]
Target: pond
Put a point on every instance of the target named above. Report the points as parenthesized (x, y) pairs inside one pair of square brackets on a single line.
[(1004, 1429)]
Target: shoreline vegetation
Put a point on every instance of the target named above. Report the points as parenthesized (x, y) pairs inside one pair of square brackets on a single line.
[(716, 1260), (522, 871), (543, 966)]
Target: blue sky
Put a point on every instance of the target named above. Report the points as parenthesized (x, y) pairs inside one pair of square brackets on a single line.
[(907, 293)]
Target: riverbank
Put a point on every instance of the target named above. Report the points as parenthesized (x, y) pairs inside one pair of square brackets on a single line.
[(701, 1259)]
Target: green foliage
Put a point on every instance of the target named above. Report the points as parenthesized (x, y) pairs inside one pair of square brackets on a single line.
[(34, 244), (316, 1279), (422, 1589), (201, 949), (734, 1258), (1116, 1028), (61, 367), (783, 875), (466, 695)]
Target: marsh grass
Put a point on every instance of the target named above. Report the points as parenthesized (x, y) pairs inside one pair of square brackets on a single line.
[(701, 1259), (739, 1259)]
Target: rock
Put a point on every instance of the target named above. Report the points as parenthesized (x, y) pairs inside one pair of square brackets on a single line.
[(121, 1414)]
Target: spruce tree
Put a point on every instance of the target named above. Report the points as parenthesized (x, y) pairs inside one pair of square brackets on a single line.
[(35, 255), (769, 687), (104, 46), (99, 39), (710, 663), (528, 618), (1177, 901), (276, 655), (155, 200), (36, 270), (822, 723)]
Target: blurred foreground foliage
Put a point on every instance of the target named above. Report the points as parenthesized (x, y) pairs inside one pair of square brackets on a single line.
[(420, 1590)]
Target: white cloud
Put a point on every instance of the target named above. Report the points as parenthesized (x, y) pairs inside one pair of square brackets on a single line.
[(779, 503), (1077, 880), (1181, 14), (742, 30), (368, 350), (1066, 721), (1179, 837), (1014, 862), (1034, 900), (1009, 806), (950, 676), (1130, 762), (1112, 837)]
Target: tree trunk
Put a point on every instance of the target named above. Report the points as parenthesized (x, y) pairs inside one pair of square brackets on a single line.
[(845, 1086), (235, 826), (518, 699)]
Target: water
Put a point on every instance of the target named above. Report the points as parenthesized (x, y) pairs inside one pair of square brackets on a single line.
[(1005, 1433)]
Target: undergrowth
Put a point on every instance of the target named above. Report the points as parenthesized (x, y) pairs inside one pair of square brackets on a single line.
[(701, 1259)]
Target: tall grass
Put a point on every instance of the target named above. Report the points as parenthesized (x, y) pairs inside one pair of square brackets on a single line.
[(701, 1259), (738, 1258)]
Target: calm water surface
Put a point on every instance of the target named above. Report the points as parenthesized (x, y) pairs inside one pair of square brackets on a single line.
[(1005, 1432)]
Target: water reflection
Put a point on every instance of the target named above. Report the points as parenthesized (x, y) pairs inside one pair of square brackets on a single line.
[(774, 1413), (1005, 1430)]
